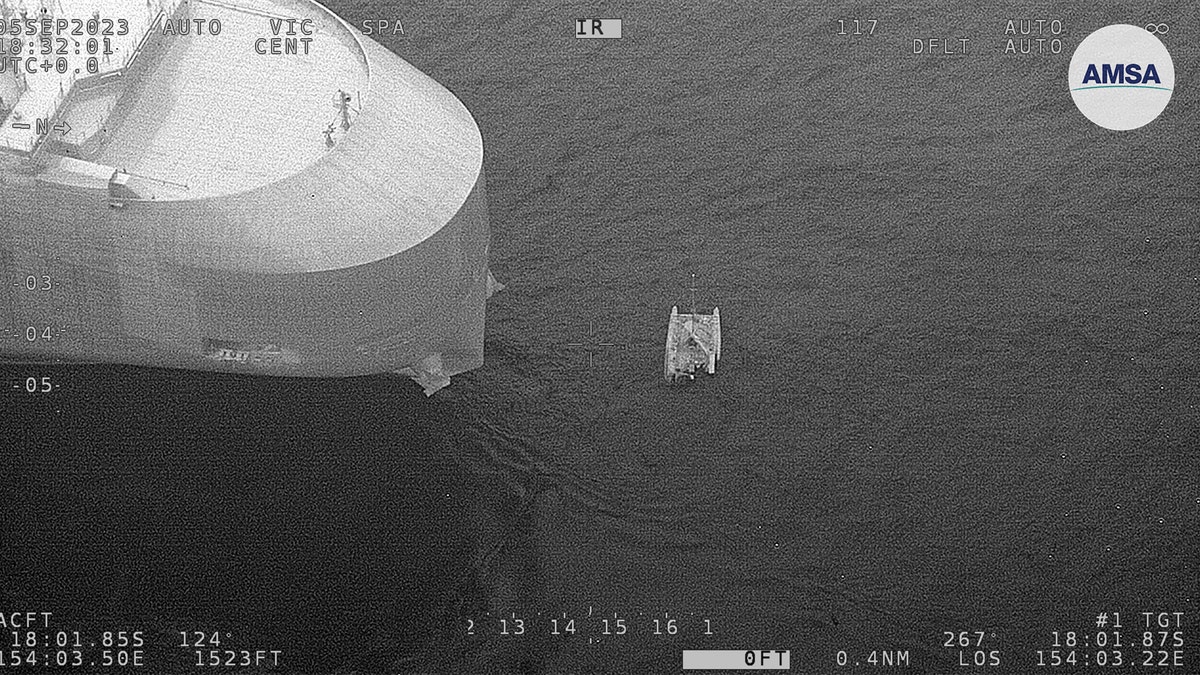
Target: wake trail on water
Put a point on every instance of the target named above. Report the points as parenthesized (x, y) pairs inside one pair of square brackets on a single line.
[(509, 450)]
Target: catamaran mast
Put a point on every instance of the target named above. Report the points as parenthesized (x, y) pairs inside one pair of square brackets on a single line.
[(693, 290)]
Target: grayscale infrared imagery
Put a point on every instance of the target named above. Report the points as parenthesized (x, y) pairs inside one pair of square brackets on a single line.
[(564, 339)]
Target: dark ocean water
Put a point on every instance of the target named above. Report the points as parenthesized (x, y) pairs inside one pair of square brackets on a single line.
[(958, 391)]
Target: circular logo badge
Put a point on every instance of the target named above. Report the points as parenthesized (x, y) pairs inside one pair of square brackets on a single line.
[(1121, 77)]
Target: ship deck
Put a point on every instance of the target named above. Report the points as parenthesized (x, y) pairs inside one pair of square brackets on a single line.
[(226, 164), (47, 89), (208, 122)]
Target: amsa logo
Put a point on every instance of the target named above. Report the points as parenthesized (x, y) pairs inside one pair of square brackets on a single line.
[(1121, 77), (1121, 73)]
